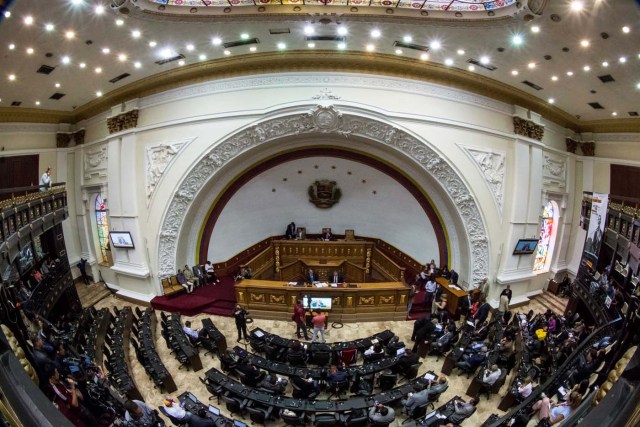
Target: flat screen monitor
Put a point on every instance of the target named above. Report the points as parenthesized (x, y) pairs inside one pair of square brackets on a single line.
[(317, 303), (192, 397), (400, 351), (237, 423), (121, 239), (525, 246), (214, 410)]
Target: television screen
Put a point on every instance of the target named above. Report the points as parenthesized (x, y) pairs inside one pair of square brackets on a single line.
[(121, 239), (525, 246), (317, 303)]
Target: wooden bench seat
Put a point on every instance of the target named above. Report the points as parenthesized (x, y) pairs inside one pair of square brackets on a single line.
[(171, 287)]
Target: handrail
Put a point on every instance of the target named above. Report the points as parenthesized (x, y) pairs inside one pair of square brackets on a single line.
[(29, 188), (16, 196), (564, 368)]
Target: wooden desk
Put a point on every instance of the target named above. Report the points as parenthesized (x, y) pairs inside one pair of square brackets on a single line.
[(366, 302), (453, 295)]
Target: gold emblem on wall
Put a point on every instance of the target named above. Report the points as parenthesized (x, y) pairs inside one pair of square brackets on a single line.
[(276, 299), (324, 193), (294, 300), (366, 301), (403, 299), (240, 296), (256, 297), (386, 300), (335, 301), (349, 301)]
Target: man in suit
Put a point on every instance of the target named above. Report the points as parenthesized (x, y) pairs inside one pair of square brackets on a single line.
[(338, 376), (453, 276), (336, 277), (311, 276), (471, 362), (418, 397), (438, 386), (408, 359), (382, 414), (291, 231), (482, 313), (463, 410)]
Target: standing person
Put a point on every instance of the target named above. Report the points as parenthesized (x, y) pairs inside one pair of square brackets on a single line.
[(300, 319), (411, 297), (318, 322), (291, 231), (505, 299), (82, 266), (240, 314), (431, 287), (211, 274), (45, 180)]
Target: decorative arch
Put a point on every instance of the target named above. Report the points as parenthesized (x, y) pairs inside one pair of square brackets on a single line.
[(326, 120)]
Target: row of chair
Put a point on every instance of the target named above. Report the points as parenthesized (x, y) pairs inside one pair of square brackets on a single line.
[(114, 353), (176, 340)]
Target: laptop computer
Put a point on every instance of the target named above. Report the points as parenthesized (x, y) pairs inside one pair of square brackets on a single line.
[(237, 423), (400, 351), (214, 410), (192, 397)]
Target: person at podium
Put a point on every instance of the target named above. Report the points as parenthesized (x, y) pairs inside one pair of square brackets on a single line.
[(326, 235), (291, 231), (336, 277), (311, 276)]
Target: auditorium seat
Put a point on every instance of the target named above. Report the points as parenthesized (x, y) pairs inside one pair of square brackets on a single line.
[(290, 418), (325, 419), (260, 415), (235, 405)]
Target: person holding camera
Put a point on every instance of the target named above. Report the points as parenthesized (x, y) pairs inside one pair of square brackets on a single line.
[(139, 414), (381, 414), (240, 314)]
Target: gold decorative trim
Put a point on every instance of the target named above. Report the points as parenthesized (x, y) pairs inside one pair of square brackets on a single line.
[(256, 297), (303, 61), (572, 145), (387, 300), (276, 299), (366, 301), (588, 148), (123, 121), (527, 128)]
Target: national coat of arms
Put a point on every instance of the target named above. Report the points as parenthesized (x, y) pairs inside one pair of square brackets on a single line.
[(324, 193)]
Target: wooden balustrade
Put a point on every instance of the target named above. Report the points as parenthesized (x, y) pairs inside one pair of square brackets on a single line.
[(263, 264), (386, 267)]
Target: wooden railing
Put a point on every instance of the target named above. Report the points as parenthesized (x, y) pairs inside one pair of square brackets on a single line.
[(354, 273), (385, 266), (292, 271), (262, 265)]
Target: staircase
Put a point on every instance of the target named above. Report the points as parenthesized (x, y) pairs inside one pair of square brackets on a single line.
[(546, 300)]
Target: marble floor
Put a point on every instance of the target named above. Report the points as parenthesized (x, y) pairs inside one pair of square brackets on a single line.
[(188, 381)]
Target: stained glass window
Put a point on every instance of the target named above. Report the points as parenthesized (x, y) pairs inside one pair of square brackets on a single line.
[(545, 244), (103, 226)]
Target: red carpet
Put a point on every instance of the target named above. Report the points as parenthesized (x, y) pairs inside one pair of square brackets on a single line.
[(213, 299), (418, 309)]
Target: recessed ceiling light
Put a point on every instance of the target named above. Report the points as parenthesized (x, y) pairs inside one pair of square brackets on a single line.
[(98, 94), (217, 41), (37, 102), (370, 47), (153, 43), (551, 100), (398, 51), (12, 46), (471, 67), (227, 52), (517, 40), (119, 22), (554, 78), (12, 77), (435, 45), (342, 45), (98, 70), (66, 60), (167, 53), (308, 30), (569, 73), (514, 72), (28, 20), (622, 59), (638, 86), (605, 64), (30, 51), (49, 27), (57, 84), (626, 29), (531, 65), (342, 31), (424, 56), (407, 39), (106, 50), (311, 45), (7, 14), (535, 29), (136, 34), (82, 65), (615, 113), (282, 46), (122, 57), (190, 47), (253, 49), (77, 2), (181, 62), (586, 68), (244, 36), (448, 62), (375, 33), (485, 60), (202, 57), (577, 5), (584, 43), (460, 51), (99, 9), (70, 35)]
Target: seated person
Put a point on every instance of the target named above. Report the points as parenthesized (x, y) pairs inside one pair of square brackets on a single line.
[(463, 410), (228, 360), (382, 414), (244, 273), (338, 375), (175, 410), (490, 377), (210, 273), (418, 397), (476, 346), (525, 389), (182, 279), (394, 345), (437, 387), (470, 363), (408, 359), (336, 277), (297, 354), (326, 235), (200, 419), (443, 341), (481, 332), (188, 273), (273, 384), (194, 335), (542, 332), (374, 350), (252, 374), (309, 387), (137, 413), (311, 276)]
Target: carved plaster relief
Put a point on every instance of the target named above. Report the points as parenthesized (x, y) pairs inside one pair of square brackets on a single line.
[(95, 162), (157, 160), (492, 166), (325, 120), (554, 170)]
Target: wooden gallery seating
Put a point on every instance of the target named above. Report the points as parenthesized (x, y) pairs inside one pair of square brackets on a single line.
[(171, 287)]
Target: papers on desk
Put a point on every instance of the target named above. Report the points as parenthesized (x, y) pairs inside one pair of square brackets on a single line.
[(429, 415), (259, 334), (455, 287), (292, 283), (334, 285), (320, 285), (429, 377)]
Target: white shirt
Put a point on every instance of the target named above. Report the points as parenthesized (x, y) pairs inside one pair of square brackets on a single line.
[(45, 180), (175, 411), (525, 390), (208, 268), (431, 286)]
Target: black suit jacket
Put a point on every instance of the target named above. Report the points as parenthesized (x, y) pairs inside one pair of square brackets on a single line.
[(312, 277), (454, 277)]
